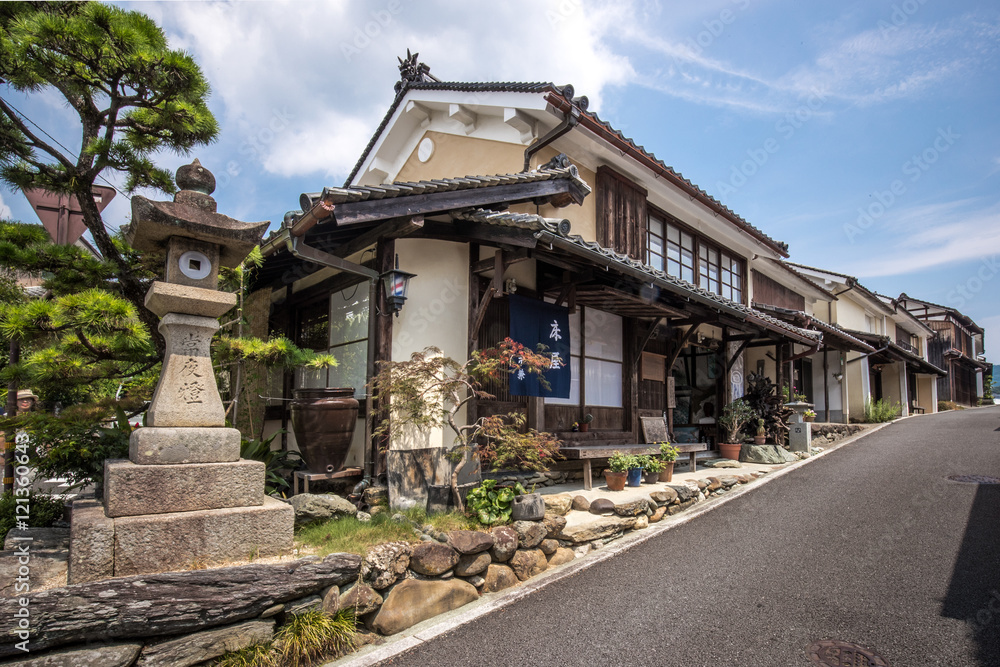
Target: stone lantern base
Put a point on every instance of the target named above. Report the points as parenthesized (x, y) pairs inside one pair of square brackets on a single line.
[(105, 547)]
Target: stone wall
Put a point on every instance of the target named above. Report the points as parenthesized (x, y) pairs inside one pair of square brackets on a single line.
[(825, 434), (187, 618)]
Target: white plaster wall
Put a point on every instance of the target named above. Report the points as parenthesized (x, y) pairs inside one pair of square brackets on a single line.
[(836, 397), (435, 314), (859, 388)]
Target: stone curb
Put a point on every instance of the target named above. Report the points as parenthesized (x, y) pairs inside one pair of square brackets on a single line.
[(439, 625)]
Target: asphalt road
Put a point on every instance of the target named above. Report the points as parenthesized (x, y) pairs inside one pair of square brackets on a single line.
[(870, 544)]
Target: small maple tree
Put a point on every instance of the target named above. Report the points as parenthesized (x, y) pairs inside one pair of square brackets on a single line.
[(429, 390)]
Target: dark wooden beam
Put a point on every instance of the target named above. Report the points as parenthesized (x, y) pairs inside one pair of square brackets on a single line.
[(739, 351), (475, 232), (392, 229), (370, 210), (811, 351), (683, 341), (645, 339), (511, 258)]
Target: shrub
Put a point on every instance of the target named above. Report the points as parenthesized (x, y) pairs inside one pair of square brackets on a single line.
[(881, 411), (43, 511), (276, 462), (949, 405)]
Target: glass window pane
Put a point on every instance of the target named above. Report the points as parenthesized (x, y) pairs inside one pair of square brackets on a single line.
[(673, 234), (574, 385), (673, 268), (687, 274), (349, 314), (703, 252), (655, 225), (655, 246), (713, 256), (310, 378), (604, 335), (604, 383), (687, 257), (352, 360), (687, 241), (673, 252), (656, 261)]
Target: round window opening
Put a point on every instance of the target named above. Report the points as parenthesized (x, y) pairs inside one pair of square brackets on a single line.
[(425, 150), (195, 265)]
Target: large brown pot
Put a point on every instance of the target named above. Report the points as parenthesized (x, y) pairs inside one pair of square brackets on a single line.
[(668, 473), (615, 480), (323, 421), (730, 450)]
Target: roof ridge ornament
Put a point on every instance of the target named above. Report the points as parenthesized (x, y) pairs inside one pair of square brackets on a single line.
[(412, 71)]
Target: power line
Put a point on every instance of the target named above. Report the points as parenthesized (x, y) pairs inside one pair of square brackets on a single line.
[(63, 146)]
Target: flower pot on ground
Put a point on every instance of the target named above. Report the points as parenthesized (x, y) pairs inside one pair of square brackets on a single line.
[(730, 450), (809, 416), (617, 472), (654, 467), (759, 439), (615, 480), (668, 454), (635, 470)]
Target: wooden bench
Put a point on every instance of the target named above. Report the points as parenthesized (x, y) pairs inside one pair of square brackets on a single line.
[(589, 453), (916, 409)]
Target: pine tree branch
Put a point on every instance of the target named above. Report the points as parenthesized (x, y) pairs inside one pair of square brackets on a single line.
[(35, 141)]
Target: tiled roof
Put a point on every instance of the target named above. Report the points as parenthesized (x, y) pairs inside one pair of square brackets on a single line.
[(885, 342), (403, 188), (560, 229), (850, 281), (828, 329), (565, 93)]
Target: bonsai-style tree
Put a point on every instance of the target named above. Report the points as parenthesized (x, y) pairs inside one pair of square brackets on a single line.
[(429, 391), (734, 417)]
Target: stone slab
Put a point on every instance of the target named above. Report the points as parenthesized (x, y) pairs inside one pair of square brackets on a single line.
[(38, 538), (100, 655), (189, 540), (170, 446), (134, 490), (200, 647), (163, 298), (92, 543)]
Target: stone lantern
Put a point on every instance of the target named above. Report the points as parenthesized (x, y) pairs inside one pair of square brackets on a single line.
[(184, 496), (799, 431)]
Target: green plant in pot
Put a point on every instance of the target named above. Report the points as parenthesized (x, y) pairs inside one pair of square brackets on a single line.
[(585, 422), (617, 471), (735, 416), (761, 436), (635, 466), (653, 468), (668, 454)]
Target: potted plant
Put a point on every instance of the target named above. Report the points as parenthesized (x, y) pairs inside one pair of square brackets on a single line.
[(735, 416), (668, 454), (652, 468), (635, 464), (761, 437), (809, 416), (617, 471), (585, 422)]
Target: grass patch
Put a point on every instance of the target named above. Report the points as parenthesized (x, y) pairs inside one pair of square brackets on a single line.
[(949, 405), (881, 411), (348, 535), (307, 638)]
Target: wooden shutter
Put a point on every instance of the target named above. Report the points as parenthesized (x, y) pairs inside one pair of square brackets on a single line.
[(621, 214)]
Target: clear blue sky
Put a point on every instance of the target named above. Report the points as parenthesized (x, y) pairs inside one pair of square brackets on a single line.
[(865, 134)]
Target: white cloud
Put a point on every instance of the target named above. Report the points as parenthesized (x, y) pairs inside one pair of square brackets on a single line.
[(5, 212), (328, 68), (928, 237)]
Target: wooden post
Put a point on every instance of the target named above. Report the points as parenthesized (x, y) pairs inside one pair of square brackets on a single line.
[(826, 387), (385, 251), (779, 366)]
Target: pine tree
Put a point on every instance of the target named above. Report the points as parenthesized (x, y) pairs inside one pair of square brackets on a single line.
[(134, 96)]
